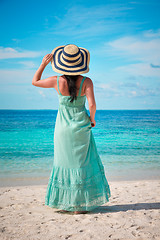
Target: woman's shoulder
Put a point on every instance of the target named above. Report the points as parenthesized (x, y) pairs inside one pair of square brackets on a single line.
[(88, 81)]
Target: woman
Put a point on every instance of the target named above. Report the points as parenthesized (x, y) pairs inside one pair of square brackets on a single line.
[(77, 181)]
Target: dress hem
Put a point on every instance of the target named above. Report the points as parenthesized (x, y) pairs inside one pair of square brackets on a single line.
[(100, 202)]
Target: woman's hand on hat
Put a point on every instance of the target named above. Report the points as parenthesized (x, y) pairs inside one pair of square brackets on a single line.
[(47, 58)]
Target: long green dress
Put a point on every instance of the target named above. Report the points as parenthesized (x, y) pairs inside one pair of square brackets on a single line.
[(77, 181)]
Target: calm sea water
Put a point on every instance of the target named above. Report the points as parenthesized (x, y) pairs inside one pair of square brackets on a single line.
[(128, 142)]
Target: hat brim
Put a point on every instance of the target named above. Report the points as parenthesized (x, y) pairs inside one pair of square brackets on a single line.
[(67, 69)]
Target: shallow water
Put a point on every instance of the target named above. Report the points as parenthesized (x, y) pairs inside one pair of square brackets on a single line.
[(128, 142)]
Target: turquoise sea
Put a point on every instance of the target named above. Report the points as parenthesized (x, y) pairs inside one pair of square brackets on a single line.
[(128, 142)]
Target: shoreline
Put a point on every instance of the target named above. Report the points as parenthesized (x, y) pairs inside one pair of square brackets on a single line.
[(114, 182), (132, 213), (31, 181)]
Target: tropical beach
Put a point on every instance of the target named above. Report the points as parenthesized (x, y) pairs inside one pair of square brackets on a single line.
[(132, 171), (115, 46)]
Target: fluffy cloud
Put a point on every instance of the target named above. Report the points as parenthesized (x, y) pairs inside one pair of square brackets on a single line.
[(28, 64), (139, 48), (6, 53), (127, 89), (99, 19), (143, 48), (140, 69), (16, 76)]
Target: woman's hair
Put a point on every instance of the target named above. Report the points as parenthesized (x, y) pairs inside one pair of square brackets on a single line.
[(71, 81)]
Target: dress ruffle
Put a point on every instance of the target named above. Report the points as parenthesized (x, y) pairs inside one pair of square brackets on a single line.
[(77, 189)]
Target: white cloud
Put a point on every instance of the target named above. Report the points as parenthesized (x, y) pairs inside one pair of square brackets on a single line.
[(16, 76), (140, 69), (109, 87), (28, 64), (80, 21), (152, 34), (110, 90), (127, 90), (7, 53), (22, 76), (16, 40), (138, 49), (144, 49)]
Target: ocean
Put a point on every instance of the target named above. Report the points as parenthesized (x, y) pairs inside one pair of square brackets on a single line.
[(128, 142)]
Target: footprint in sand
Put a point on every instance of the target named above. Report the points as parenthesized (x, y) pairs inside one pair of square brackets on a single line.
[(68, 236)]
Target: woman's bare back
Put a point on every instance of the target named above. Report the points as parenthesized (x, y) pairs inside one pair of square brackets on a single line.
[(87, 89), (63, 86)]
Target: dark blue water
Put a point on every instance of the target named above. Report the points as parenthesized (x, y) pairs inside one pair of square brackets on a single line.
[(128, 142)]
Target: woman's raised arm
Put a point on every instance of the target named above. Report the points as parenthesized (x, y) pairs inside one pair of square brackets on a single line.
[(44, 83)]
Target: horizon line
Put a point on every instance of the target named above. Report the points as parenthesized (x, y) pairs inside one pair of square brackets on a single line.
[(87, 109)]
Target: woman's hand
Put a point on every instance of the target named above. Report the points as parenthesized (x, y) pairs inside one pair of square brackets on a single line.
[(47, 58), (93, 122)]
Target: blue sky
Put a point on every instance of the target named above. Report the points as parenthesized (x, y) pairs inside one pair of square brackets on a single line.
[(123, 38)]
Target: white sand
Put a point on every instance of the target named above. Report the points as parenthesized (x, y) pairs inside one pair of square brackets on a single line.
[(133, 212)]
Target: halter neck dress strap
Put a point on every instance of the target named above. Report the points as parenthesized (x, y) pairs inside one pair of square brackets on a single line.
[(58, 85), (80, 89)]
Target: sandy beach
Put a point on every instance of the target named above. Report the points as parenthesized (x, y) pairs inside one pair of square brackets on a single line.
[(133, 212)]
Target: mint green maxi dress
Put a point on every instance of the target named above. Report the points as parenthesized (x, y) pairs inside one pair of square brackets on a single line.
[(77, 181)]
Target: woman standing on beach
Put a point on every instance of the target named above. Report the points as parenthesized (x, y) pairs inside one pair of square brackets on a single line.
[(77, 181)]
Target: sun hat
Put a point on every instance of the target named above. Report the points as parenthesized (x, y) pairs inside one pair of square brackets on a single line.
[(70, 59)]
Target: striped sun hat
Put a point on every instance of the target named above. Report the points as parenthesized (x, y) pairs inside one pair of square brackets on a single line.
[(70, 60)]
